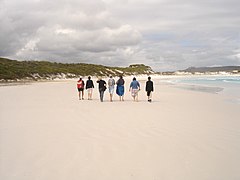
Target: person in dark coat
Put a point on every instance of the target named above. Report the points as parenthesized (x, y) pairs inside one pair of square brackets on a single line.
[(89, 87), (149, 89), (102, 87)]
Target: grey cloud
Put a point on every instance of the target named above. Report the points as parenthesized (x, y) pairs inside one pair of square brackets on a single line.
[(62, 28), (166, 34), (101, 40)]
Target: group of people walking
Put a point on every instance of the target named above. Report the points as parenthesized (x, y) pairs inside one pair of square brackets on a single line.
[(134, 88)]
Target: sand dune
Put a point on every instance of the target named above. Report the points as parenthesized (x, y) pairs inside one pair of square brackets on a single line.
[(47, 133)]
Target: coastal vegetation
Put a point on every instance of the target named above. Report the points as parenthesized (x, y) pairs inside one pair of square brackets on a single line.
[(35, 70)]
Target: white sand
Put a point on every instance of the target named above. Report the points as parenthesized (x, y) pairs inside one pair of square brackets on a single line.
[(46, 133)]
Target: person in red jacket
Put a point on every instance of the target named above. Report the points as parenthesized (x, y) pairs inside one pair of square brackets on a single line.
[(80, 87)]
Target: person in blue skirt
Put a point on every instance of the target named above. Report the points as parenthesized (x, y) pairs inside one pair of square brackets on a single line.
[(120, 88)]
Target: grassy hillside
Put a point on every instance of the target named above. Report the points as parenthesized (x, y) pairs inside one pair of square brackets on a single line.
[(12, 70)]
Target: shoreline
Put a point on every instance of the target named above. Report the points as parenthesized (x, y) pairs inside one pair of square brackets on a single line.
[(174, 81), (3, 81), (221, 85)]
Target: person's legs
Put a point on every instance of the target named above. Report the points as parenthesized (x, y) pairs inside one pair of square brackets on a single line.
[(111, 90), (90, 95), (133, 94), (82, 94), (121, 98), (136, 96), (79, 95), (101, 95), (149, 94)]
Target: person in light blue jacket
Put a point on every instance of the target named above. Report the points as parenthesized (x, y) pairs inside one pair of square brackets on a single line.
[(134, 89)]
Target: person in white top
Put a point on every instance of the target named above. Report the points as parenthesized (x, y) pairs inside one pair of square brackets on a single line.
[(111, 83)]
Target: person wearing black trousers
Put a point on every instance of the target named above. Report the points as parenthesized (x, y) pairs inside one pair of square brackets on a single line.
[(102, 87), (149, 89)]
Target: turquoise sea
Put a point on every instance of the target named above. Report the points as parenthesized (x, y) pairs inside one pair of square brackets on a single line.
[(226, 85)]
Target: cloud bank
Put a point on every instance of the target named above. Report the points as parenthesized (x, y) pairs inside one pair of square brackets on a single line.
[(165, 34)]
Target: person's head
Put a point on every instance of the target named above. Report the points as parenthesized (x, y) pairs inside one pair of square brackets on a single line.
[(120, 77), (89, 77), (80, 79), (149, 78), (99, 78), (110, 76), (134, 79)]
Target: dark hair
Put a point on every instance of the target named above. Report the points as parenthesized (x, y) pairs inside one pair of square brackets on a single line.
[(80, 78), (120, 76), (134, 79), (149, 78), (89, 77), (110, 76)]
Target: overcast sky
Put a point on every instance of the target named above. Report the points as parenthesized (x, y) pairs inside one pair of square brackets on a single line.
[(165, 34)]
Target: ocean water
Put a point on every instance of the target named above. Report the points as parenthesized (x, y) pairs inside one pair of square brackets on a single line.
[(226, 85), (209, 80)]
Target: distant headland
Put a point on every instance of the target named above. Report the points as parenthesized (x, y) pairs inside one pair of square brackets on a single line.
[(222, 70)]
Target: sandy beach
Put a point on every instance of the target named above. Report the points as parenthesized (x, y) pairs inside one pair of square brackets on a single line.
[(46, 133)]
